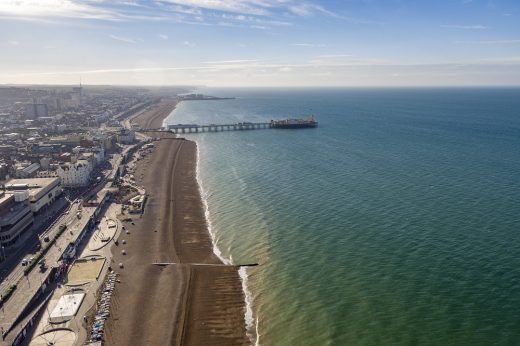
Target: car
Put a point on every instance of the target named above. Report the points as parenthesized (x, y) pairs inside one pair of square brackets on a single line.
[(25, 262), (46, 239)]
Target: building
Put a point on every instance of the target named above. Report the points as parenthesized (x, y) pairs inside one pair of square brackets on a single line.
[(126, 136), (99, 155), (75, 174), (36, 110), (15, 218), (66, 308), (41, 192), (27, 171)]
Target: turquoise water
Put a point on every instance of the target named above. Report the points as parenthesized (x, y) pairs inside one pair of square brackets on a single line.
[(396, 222)]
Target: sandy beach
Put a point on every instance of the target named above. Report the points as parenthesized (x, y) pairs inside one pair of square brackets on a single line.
[(182, 303)]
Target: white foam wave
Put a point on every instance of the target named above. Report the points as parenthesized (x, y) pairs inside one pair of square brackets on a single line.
[(204, 198), (251, 322)]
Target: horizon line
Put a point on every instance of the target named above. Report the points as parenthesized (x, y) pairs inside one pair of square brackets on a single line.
[(265, 86)]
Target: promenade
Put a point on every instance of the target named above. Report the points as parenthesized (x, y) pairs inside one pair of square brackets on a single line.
[(18, 309)]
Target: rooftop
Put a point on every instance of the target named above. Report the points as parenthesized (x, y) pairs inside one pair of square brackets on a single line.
[(33, 185)]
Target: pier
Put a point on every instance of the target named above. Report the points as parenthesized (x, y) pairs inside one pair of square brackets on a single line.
[(195, 128)]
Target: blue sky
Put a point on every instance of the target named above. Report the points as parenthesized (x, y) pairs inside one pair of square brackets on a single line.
[(261, 42)]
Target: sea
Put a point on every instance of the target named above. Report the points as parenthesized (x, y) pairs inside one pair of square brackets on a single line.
[(395, 222)]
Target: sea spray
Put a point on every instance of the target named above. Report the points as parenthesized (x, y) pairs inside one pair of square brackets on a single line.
[(251, 324)]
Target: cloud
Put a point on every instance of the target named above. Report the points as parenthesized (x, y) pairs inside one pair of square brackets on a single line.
[(163, 36), (332, 60), (122, 39), (54, 8), (13, 43), (307, 9), (307, 45), (189, 44), (464, 27), (253, 19), (252, 14), (254, 7)]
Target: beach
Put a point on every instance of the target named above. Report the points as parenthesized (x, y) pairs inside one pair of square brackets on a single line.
[(192, 299), (153, 117)]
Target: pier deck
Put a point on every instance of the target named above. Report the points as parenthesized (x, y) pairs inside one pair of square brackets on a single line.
[(189, 128)]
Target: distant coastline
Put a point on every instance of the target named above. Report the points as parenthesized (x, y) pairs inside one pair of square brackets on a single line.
[(202, 97)]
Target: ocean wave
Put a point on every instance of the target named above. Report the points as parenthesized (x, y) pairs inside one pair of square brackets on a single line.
[(250, 321)]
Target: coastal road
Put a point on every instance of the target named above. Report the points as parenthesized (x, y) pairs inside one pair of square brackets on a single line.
[(12, 268)]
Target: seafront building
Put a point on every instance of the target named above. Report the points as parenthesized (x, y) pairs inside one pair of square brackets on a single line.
[(15, 218), (39, 192), (75, 174)]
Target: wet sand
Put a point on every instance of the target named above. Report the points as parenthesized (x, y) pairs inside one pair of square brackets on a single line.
[(181, 303), (153, 117)]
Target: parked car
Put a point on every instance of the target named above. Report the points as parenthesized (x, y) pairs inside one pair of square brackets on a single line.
[(25, 262)]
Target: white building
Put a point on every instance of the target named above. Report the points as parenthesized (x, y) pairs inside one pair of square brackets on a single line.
[(15, 218), (75, 174), (40, 192), (66, 308)]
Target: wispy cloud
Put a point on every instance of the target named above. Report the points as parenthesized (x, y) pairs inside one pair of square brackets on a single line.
[(254, 7), (325, 68), (464, 27), (189, 44), (54, 8), (346, 60), (306, 9), (307, 44), (13, 43), (163, 36), (122, 39), (252, 14)]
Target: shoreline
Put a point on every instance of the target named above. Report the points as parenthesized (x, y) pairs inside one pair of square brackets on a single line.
[(251, 326), (181, 303), (155, 115)]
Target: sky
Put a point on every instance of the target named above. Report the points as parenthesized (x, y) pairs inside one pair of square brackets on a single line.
[(261, 42)]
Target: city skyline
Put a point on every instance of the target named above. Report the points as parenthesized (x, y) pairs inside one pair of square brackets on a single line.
[(260, 43)]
